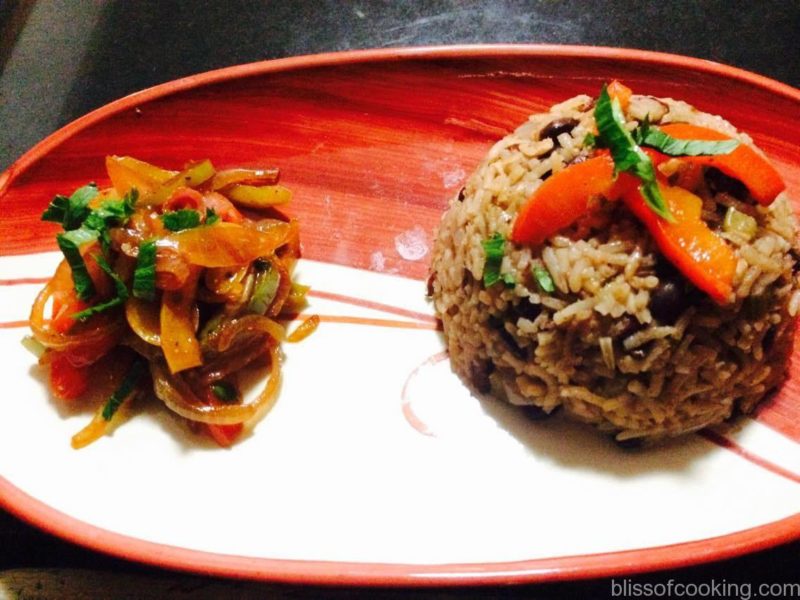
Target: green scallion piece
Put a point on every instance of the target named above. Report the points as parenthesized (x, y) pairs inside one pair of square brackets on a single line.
[(543, 279), (266, 286)]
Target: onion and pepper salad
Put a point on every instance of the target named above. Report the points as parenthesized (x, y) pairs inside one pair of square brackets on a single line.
[(168, 287), (655, 171)]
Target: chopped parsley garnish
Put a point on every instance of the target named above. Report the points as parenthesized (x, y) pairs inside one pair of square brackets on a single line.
[(627, 154), (144, 276), (71, 212), (543, 279), (211, 216), (494, 248), (83, 226), (663, 142), (178, 220), (118, 299), (70, 243), (225, 391), (111, 213), (125, 389)]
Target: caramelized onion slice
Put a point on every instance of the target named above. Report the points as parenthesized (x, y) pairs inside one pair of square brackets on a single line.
[(178, 339), (222, 337), (305, 329), (179, 397), (127, 172), (93, 339), (228, 177), (226, 244), (143, 317)]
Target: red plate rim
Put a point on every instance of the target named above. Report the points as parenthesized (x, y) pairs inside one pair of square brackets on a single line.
[(561, 568), (386, 54)]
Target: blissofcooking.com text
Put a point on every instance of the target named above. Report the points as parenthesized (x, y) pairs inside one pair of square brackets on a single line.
[(626, 588)]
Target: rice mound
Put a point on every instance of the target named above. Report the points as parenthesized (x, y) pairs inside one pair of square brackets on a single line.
[(624, 342)]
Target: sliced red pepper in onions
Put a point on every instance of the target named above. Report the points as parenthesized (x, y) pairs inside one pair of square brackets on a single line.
[(744, 163), (184, 197), (222, 207), (701, 255), (67, 381), (225, 435)]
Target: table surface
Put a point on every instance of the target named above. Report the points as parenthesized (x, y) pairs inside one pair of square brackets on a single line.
[(60, 59)]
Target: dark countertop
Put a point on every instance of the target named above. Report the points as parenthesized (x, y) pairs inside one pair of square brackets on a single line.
[(61, 59)]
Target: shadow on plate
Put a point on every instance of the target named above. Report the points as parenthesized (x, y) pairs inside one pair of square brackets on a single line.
[(577, 445)]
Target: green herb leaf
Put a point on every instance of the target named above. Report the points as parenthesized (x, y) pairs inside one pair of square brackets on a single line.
[(98, 308), (84, 226), (70, 244), (178, 220), (225, 391), (144, 276), (117, 300), (111, 213), (71, 212), (211, 216), (125, 389), (627, 155), (543, 279), (663, 142), (590, 141), (494, 248), (119, 285)]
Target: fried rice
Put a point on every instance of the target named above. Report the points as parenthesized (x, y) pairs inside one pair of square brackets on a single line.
[(624, 341)]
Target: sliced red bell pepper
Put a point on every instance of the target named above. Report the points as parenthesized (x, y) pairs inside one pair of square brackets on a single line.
[(225, 435), (621, 92), (65, 304), (67, 381), (223, 207), (700, 255), (184, 198), (565, 197), (744, 163)]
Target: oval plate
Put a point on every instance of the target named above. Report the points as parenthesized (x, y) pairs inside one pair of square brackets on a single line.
[(376, 465)]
